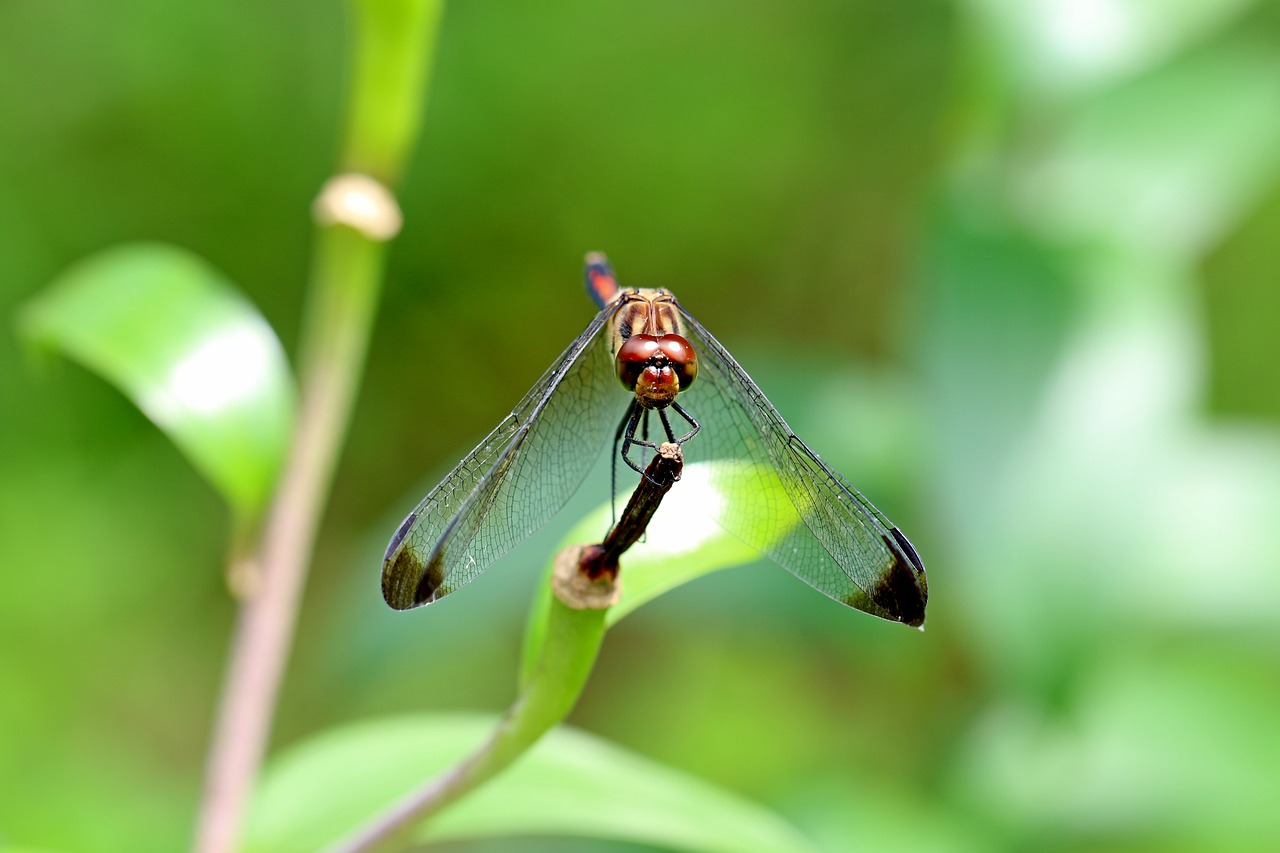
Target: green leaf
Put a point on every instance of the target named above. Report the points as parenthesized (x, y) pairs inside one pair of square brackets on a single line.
[(1066, 46), (570, 784), (194, 355), (683, 541), (1170, 161), (1174, 746)]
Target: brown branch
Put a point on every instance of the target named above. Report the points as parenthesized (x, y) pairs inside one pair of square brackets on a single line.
[(663, 471)]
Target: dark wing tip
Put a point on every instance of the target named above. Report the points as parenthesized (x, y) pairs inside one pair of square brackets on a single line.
[(401, 572), (903, 590), (406, 582), (430, 582)]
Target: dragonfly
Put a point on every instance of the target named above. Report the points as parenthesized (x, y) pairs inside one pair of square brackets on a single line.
[(643, 343)]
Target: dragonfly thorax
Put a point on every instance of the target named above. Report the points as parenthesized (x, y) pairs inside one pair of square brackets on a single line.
[(657, 368)]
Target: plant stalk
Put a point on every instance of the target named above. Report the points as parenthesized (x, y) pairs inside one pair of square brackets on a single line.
[(563, 639), (393, 45), (572, 640)]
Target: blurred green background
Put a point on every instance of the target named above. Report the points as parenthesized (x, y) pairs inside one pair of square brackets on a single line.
[(1010, 266)]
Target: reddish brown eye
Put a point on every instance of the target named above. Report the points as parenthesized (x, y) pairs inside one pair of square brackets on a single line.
[(656, 368), (632, 358), (684, 361)]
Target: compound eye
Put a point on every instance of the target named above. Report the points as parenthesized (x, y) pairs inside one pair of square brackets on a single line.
[(632, 358), (684, 361)]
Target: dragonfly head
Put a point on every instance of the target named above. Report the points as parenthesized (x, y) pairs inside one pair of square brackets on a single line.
[(657, 368)]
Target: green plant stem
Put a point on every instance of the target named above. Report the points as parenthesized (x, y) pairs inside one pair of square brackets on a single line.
[(564, 643), (395, 44), (563, 637), (392, 51), (265, 625)]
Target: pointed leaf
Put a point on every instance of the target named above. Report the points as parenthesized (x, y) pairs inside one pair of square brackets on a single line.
[(188, 349), (570, 784)]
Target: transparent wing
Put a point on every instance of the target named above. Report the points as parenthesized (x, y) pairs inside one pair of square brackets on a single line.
[(509, 486), (815, 524)]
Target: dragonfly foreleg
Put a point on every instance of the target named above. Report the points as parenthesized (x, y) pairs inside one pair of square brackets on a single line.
[(688, 417), (627, 417), (666, 425), (629, 436)]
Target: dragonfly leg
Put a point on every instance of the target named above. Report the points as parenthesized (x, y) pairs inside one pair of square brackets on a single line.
[(629, 439), (627, 417), (666, 425), (644, 435), (639, 419), (688, 417)]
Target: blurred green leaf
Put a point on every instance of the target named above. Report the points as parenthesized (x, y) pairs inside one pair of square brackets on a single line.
[(1000, 309), (874, 812), (1057, 46), (188, 349), (569, 784), (1110, 515), (1240, 304), (1178, 744), (1168, 161)]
